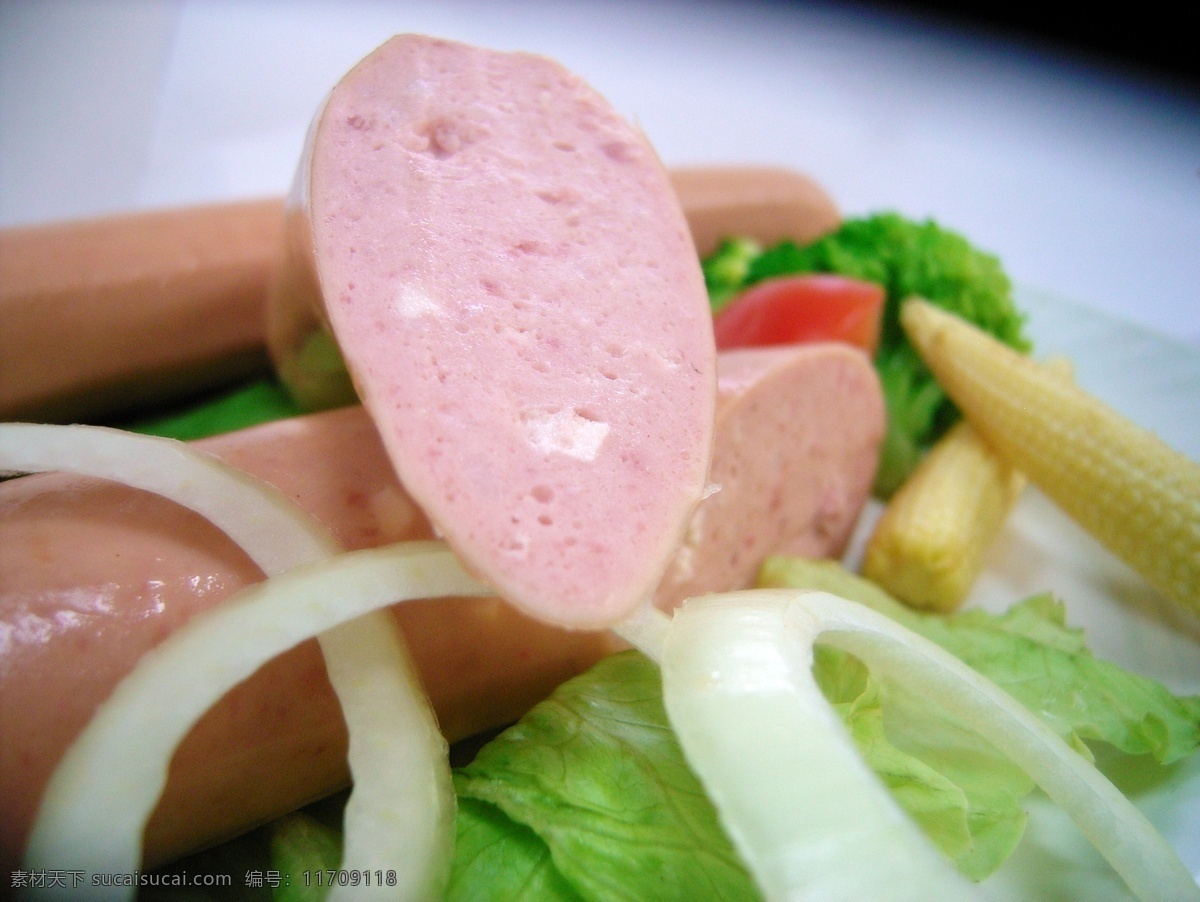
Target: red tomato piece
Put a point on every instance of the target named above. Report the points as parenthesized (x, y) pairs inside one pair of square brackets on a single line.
[(807, 308)]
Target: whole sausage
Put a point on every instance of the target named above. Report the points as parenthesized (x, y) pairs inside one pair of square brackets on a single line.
[(765, 203), (95, 574), (105, 316), (108, 315)]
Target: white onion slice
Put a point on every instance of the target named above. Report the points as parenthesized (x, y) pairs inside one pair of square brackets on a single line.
[(808, 816), (397, 756), (112, 776), (645, 629)]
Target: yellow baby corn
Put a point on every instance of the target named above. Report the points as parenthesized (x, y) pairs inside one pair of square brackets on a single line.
[(928, 547), (1136, 495)]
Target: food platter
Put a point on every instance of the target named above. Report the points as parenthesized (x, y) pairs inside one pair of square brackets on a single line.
[(180, 144)]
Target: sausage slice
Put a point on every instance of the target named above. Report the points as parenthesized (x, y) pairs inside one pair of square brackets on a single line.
[(798, 435), (510, 279)]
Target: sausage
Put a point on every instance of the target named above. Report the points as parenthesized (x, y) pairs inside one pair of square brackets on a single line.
[(766, 203), (104, 316), (511, 282), (792, 466), (108, 315), (95, 574), (82, 629)]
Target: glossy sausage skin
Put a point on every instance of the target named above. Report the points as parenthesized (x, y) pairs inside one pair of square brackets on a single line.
[(94, 574)]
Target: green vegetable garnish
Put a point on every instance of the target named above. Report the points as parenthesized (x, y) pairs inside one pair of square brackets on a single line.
[(1032, 654), (597, 776), (727, 268), (268, 864), (260, 401), (908, 258)]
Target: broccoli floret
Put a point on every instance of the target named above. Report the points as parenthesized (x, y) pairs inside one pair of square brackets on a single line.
[(908, 258), (726, 269)]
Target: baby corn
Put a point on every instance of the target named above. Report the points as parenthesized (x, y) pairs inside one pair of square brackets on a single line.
[(928, 547), (1136, 495)]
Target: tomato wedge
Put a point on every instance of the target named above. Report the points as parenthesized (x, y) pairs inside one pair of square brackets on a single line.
[(794, 309)]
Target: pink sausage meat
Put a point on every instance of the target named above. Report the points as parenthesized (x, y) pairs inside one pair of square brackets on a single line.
[(798, 435), (512, 285)]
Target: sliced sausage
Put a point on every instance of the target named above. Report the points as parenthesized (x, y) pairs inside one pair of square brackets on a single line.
[(798, 435), (513, 287), (94, 574)]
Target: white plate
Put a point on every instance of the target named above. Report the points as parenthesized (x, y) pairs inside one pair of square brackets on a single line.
[(1156, 382)]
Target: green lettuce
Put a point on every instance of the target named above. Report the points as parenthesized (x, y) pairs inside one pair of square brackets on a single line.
[(259, 401), (589, 796), (976, 822), (283, 861), (574, 797), (1032, 654)]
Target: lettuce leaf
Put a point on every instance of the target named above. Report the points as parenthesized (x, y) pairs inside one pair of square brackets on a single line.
[(1031, 653), (499, 858), (975, 822), (268, 864), (259, 401), (596, 776)]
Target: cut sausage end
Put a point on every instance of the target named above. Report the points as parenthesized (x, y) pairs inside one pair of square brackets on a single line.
[(513, 286), (799, 429)]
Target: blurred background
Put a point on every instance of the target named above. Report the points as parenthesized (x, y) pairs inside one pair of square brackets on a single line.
[(1149, 40), (1069, 146)]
